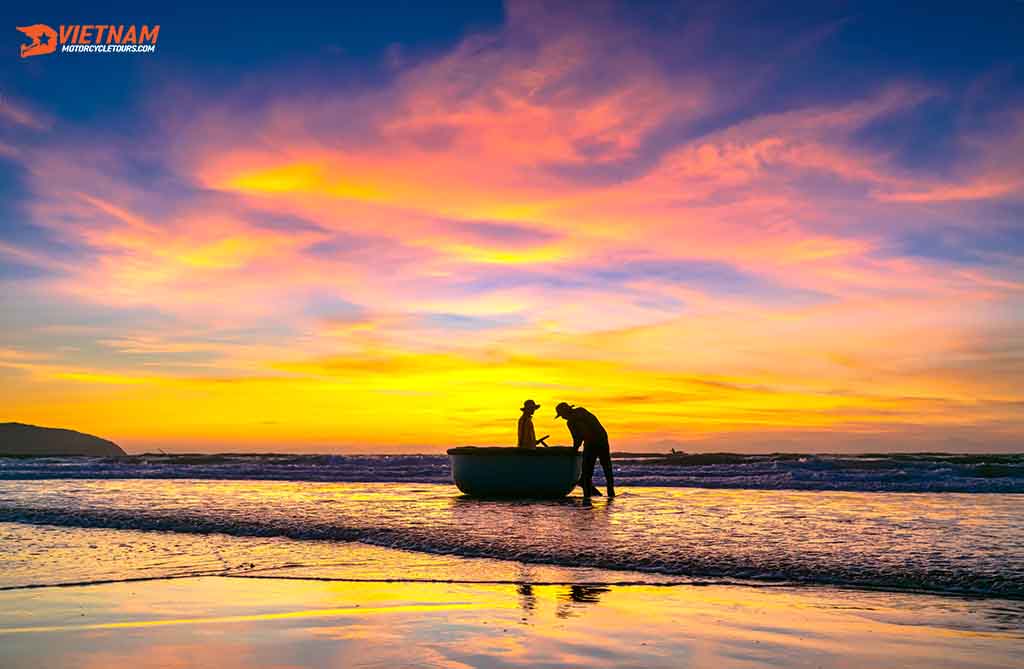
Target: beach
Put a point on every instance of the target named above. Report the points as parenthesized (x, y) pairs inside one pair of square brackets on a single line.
[(246, 622)]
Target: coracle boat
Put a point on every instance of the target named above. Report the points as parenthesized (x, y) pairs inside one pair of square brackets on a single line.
[(494, 471)]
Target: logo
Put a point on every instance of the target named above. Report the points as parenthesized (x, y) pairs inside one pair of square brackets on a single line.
[(81, 38), (44, 40)]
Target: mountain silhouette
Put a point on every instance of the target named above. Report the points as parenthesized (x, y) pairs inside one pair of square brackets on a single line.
[(21, 439)]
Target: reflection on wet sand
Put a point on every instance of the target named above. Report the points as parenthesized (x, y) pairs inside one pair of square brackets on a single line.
[(570, 597), (574, 597), (239, 622), (527, 600)]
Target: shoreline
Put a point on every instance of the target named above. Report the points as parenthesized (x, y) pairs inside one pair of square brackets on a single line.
[(693, 582)]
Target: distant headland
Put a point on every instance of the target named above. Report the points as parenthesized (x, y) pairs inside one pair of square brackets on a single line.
[(21, 439)]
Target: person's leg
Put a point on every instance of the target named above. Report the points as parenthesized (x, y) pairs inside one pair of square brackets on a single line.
[(594, 455), (587, 477), (606, 465)]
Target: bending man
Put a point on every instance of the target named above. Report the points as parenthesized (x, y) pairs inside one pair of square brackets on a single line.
[(586, 429)]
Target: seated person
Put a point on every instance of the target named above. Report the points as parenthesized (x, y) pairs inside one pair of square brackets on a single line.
[(527, 437)]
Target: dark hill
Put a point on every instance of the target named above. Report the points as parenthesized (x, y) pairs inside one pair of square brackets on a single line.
[(21, 439)]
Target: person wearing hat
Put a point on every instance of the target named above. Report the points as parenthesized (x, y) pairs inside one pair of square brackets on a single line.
[(527, 437), (587, 430)]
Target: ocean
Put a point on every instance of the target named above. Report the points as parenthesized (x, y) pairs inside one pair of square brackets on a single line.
[(938, 524)]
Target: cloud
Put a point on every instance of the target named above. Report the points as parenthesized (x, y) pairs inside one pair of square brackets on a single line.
[(18, 113), (589, 206)]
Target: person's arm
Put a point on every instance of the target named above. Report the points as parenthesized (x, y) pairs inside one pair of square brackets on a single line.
[(577, 435), (523, 439)]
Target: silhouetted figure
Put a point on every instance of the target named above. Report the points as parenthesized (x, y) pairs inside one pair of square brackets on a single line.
[(527, 437), (586, 429)]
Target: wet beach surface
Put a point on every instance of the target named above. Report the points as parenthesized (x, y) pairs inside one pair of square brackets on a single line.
[(243, 622)]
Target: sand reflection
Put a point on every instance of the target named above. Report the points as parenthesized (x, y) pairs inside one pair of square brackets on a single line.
[(264, 623)]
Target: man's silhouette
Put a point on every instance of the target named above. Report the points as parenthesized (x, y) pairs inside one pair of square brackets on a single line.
[(586, 429)]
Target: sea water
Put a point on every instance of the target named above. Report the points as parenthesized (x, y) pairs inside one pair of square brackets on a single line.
[(890, 523)]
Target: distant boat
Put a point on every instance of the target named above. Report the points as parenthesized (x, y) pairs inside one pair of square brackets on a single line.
[(482, 471)]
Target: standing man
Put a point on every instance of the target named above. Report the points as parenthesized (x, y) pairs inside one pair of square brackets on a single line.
[(586, 429), (527, 437)]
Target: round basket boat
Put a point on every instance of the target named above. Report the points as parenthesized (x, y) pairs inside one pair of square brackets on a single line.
[(484, 471)]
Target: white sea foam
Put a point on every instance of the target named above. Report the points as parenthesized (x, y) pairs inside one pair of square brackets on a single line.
[(893, 472)]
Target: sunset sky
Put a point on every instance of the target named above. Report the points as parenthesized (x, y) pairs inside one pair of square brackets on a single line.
[(378, 230)]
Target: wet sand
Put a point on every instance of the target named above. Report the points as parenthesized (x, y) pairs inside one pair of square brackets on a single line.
[(248, 622)]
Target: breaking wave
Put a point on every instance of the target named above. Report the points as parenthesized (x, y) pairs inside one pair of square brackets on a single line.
[(917, 472)]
